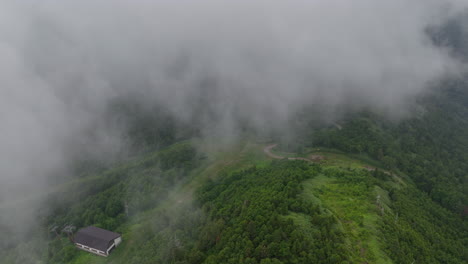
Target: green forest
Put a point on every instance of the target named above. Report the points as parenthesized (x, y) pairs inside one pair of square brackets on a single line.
[(368, 190), (234, 132)]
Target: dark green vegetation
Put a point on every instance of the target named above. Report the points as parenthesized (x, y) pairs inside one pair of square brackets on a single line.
[(248, 219), (249, 210), (432, 150), (387, 220), (382, 192)]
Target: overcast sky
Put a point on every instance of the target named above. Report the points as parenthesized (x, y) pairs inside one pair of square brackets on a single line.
[(62, 62)]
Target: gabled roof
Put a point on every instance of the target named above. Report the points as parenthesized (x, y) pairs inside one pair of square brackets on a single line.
[(95, 237)]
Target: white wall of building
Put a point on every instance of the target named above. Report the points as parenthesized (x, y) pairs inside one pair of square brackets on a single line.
[(117, 241)]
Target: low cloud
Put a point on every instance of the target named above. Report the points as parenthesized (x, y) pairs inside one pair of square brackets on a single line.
[(216, 62)]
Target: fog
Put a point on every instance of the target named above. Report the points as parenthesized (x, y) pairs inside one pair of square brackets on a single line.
[(63, 62)]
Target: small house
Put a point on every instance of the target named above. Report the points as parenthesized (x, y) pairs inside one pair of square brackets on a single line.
[(96, 240)]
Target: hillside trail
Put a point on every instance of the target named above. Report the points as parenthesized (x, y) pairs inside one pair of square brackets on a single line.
[(316, 158), (267, 151)]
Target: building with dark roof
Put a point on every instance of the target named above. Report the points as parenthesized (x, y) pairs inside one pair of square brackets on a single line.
[(96, 240)]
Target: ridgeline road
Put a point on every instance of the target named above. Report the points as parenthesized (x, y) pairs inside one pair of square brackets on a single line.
[(268, 149), (318, 158)]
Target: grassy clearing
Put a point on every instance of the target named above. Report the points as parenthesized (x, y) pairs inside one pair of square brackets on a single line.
[(354, 208), (352, 203)]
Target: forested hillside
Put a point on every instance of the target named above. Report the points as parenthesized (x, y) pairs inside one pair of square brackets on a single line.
[(431, 149), (365, 191), (234, 132)]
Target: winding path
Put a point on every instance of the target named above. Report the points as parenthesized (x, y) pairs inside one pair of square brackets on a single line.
[(268, 148), (268, 152)]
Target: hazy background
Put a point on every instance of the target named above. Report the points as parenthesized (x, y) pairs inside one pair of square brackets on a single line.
[(62, 63)]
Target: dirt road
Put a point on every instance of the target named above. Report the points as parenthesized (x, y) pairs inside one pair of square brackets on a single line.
[(268, 149)]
